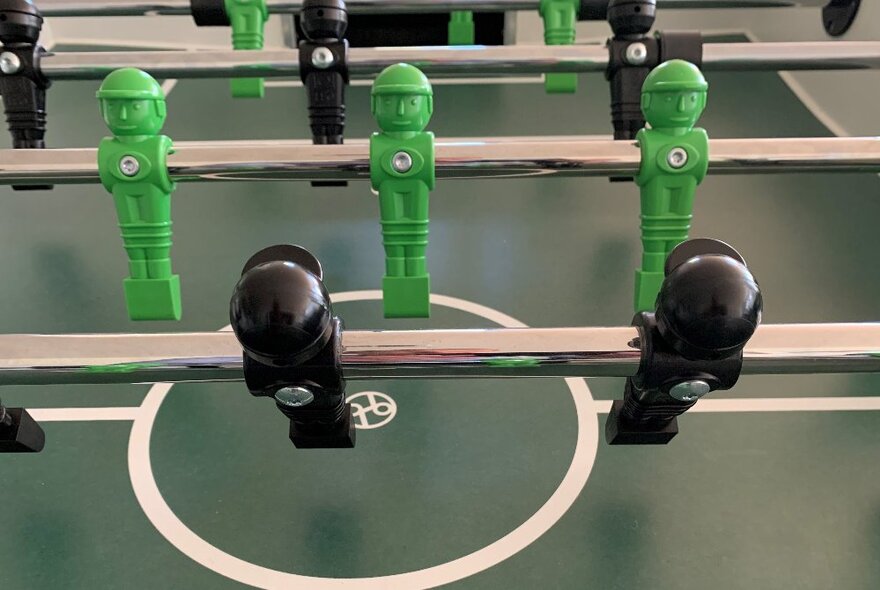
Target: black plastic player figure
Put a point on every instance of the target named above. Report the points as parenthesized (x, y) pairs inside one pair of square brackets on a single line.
[(22, 85), (282, 317), (633, 53), (708, 308), (323, 57)]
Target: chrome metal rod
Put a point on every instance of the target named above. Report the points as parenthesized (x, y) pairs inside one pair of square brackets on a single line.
[(182, 7), (455, 158), (430, 354), (470, 61)]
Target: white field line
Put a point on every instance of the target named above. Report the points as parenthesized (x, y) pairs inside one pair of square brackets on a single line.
[(707, 406)]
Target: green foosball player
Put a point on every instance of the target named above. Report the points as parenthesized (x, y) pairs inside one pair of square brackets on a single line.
[(402, 171), (675, 158), (247, 18), (560, 19), (132, 166)]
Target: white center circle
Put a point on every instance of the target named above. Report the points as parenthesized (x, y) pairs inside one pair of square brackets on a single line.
[(168, 524), (371, 409)]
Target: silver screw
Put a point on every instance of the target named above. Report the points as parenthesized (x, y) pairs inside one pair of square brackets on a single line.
[(677, 157), (322, 58), (690, 391), (636, 54), (402, 162), (294, 397), (9, 63), (129, 166)]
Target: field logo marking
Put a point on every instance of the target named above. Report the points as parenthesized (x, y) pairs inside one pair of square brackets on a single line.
[(371, 409)]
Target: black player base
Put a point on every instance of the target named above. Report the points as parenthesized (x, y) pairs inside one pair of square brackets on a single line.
[(22, 435), (338, 436), (619, 432)]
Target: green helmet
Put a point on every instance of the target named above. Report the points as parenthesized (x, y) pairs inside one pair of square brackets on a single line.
[(674, 76), (402, 79), (132, 84)]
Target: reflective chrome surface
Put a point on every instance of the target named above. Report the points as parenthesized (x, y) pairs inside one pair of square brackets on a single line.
[(470, 61), (119, 358), (814, 348), (827, 55), (527, 352), (456, 158), (180, 7)]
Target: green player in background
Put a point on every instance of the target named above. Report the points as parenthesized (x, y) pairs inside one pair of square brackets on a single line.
[(247, 18), (675, 158), (132, 165), (402, 171)]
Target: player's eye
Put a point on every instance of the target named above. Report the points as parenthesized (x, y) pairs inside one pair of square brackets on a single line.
[(693, 98), (137, 106), (414, 102)]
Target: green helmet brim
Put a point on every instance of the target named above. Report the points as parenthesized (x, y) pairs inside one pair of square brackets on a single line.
[(128, 94), (401, 89), (677, 86)]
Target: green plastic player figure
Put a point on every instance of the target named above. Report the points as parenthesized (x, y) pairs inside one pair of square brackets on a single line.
[(461, 27), (560, 18), (248, 20), (132, 165), (402, 171), (675, 158)]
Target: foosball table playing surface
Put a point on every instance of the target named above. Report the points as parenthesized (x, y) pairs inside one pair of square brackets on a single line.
[(491, 483)]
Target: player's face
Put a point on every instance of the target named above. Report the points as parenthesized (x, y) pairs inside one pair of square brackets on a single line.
[(402, 112), (132, 117), (675, 109)]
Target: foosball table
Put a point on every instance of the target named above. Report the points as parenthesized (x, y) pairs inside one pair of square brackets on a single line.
[(483, 309)]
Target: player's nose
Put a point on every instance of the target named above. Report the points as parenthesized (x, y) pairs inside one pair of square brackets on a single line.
[(123, 113), (401, 107), (682, 104)]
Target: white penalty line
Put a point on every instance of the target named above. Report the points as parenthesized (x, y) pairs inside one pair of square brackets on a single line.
[(85, 414), (774, 404), (780, 404)]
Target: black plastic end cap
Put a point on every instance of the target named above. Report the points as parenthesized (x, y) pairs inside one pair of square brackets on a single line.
[(631, 17), (209, 13), (619, 432), (280, 310), (23, 435), (710, 303), (340, 435)]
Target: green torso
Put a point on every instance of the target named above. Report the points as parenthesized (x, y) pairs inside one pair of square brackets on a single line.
[(655, 147), (151, 154), (420, 148)]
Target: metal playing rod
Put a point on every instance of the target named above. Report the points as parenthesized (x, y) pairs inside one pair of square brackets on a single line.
[(471, 61), (183, 7), (456, 158), (528, 352)]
